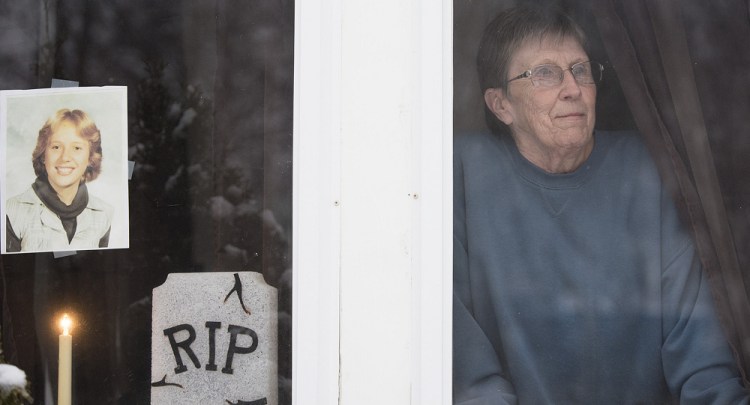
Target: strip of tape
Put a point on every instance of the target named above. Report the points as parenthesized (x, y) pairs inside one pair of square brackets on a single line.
[(63, 83)]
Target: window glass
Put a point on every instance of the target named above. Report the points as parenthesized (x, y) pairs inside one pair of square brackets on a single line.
[(552, 282), (209, 97)]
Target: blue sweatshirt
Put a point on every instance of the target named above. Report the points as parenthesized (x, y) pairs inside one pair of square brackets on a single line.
[(579, 288)]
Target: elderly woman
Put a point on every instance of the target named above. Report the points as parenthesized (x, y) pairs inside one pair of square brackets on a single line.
[(57, 213), (575, 281)]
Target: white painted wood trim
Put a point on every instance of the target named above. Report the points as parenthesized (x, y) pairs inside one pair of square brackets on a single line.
[(372, 202), (433, 267), (316, 212)]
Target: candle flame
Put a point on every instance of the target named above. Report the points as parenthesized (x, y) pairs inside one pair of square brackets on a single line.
[(66, 324)]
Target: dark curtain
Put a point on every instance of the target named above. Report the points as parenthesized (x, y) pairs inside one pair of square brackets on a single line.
[(684, 67)]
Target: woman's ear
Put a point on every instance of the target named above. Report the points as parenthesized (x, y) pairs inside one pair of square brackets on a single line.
[(498, 103)]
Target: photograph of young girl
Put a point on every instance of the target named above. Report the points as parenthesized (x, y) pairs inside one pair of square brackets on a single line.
[(65, 171)]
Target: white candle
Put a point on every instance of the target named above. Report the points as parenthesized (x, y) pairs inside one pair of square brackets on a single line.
[(65, 363)]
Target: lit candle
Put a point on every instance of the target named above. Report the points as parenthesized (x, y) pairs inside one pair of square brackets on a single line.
[(65, 363)]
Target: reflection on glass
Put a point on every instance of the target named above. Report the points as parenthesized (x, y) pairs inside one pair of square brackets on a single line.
[(210, 117)]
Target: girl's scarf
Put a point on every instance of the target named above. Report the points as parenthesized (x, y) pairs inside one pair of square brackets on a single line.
[(67, 213)]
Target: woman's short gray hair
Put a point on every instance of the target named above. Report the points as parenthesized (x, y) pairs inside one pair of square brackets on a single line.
[(510, 30)]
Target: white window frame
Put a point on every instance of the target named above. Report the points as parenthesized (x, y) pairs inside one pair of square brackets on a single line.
[(325, 299)]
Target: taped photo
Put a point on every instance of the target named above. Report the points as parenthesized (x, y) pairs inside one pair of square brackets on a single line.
[(64, 169)]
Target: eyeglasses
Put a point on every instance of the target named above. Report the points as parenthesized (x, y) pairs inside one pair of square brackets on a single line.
[(550, 75)]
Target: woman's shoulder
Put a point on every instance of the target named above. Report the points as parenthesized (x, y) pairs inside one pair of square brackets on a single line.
[(626, 156), (97, 204), (98, 214), (474, 140), (625, 141), (21, 210), (625, 146), (478, 147), (22, 204), (27, 197)]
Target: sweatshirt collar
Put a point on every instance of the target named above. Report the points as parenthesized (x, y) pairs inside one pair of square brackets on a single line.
[(539, 177)]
